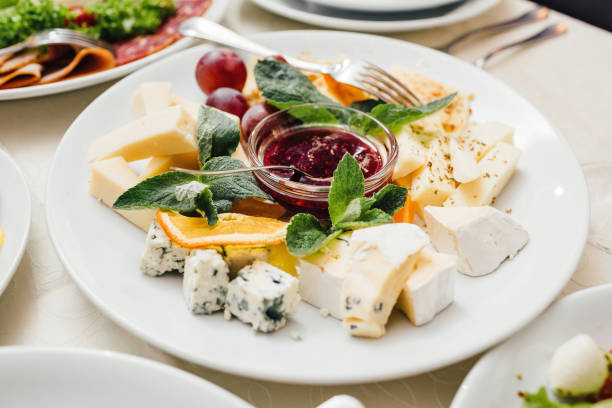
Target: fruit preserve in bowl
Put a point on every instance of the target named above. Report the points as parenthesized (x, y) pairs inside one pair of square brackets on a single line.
[(314, 138)]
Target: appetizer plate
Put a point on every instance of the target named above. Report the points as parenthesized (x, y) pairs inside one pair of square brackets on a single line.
[(494, 380), (15, 214), (547, 196), (83, 378), (378, 22), (383, 5), (215, 12)]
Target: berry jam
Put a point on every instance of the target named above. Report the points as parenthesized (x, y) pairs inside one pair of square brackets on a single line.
[(317, 151)]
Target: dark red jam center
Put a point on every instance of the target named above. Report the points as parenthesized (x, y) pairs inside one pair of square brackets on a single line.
[(317, 151)]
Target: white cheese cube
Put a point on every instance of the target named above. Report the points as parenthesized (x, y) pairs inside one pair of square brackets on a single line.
[(111, 178), (322, 275), (411, 153), (263, 296), (496, 169), (161, 254), (380, 261), (166, 132), (579, 368), (151, 97), (240, 256), (205, 281), (480, 138), (430, 288), (482, 237), (465, 166), (433, 183)]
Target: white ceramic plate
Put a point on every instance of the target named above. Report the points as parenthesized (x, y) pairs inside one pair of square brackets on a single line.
[(383, 5), (379, 23), (71, 378), (102, 251), (493, 380), (215, 12), (15, 214)]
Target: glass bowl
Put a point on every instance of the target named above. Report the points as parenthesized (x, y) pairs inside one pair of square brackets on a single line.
[(301, 197)]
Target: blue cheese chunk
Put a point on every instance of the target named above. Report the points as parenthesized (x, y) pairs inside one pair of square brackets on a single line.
[(161, 254), (263, 296), (205, 281)]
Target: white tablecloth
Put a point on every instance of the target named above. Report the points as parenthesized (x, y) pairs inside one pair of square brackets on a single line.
[(568, 78)]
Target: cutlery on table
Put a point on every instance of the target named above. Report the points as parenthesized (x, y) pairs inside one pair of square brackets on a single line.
[(355, 72), (536, 14), (57, 36), (551, 31)]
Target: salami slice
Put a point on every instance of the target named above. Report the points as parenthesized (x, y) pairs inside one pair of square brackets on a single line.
[(140, 47)]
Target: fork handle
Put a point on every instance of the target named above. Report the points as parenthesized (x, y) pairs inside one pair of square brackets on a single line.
[(208, 30), (13, 48), (536, 14), (549, 32)]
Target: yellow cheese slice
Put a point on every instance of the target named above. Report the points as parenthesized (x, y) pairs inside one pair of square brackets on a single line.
[(161, 164), (167, 132), (411, 154), (191, 107), (151, 97), (480, 138), (496, 169), (111, 178)]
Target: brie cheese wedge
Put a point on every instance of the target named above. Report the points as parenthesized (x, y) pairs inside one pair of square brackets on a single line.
[(482, 237)]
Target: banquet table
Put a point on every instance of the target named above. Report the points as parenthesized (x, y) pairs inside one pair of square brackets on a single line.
[(568, 78)]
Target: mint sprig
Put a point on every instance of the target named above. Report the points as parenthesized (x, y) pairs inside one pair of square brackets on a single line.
[(348, 209), (218, 136)]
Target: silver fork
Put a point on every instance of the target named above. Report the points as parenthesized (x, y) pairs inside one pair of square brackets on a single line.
[(358, 73), (549, 32), (56, 36), (536, 14)]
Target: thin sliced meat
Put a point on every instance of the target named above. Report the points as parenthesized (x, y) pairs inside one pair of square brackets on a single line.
[(4, 58), (140, 47), (23, 76), (20, 60), (86, 61)]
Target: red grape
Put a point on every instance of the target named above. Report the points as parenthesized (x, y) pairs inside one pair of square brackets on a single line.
[(220, 68), (228, 100), (253, 116), (278, 58)]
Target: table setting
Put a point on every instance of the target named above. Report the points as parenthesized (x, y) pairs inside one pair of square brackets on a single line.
[(304, 203)]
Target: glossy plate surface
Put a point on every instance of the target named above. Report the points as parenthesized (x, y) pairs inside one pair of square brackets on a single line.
[(383, 5), (493, 380), (376, 23), (102, 251), (215, 13), (15, 215), (67, 378)]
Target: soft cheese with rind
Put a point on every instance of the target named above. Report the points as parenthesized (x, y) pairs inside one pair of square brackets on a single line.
[(380, 261), (322, 275), (161, 254), (430, 288), (262, 296), (151, 97), (482, 237), (166, 132), (109, 179), (205, 281)]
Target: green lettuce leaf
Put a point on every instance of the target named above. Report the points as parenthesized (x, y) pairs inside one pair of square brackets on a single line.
[(541, 400)]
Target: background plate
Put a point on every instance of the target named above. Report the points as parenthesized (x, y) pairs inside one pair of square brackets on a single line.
[(379, 23), (102, 251), (215, 12), (382, 5), (67, 378), (493, 380), (15, 214)]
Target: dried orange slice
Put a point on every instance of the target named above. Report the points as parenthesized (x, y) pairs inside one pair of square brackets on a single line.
[(231, 229)]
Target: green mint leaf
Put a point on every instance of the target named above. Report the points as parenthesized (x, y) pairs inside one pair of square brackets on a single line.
[(205, 206), (284, 86), (366, 105), (169, 191), (217, 133), (396, 116), (355, 210), (372, 217), (347, 184), (231, 188), (305, 235), (390, 199)]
